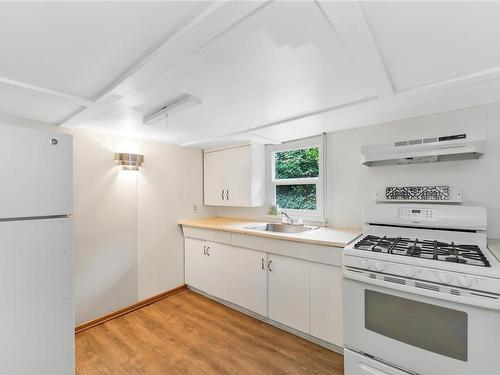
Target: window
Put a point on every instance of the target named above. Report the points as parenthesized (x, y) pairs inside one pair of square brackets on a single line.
[(295, 177)]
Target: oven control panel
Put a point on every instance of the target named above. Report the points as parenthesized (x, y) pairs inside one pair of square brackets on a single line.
[(415, 213), (402, 273)]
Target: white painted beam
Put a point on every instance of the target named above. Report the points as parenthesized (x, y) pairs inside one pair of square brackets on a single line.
[(349, 24), (89, 112), (195, 34), (254, 131), (469, 79), (209, 26), (156, 50), (12, 85)]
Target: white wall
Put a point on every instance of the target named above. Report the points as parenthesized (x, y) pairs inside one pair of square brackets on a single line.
[(128, 245), (105, 214), (170, 184), (351, 185)]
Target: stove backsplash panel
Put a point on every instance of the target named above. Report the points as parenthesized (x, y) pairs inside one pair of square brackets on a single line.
[(433, 192)]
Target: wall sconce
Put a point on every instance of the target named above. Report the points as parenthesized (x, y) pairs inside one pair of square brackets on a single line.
[(130, 162)]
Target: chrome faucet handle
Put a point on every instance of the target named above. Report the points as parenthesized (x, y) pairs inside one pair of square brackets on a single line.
[(290, 220), (298, 222)]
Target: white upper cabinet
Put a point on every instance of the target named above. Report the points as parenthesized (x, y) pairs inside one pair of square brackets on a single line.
[(235, 176)]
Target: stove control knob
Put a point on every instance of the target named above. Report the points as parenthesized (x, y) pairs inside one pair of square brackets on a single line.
[(410, 272), (464, 281), (364, 264), (444, 277), (379, 266)]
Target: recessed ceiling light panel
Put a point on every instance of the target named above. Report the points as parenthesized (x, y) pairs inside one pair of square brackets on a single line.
[(174, 105)]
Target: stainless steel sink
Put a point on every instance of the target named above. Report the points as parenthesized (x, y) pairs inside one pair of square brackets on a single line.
[(282, 228)]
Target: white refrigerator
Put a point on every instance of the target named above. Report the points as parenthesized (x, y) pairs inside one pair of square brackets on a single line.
[(36, 252)]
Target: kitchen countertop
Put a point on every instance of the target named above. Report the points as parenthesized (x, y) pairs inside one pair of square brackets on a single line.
[(494, 246), (338, 237)]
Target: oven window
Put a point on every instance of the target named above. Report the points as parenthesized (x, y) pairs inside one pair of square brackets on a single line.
[(430, 327)]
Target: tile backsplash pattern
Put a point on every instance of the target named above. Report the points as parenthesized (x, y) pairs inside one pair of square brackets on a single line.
[(438, 192)]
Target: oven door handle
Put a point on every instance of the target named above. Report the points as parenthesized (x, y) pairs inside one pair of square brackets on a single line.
[(371, 370), (487, 303)]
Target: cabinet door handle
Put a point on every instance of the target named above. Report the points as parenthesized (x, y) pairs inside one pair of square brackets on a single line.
[(204, 249), (222, 194), (269, 266), (208, 250), (227, 194), (262, 265)]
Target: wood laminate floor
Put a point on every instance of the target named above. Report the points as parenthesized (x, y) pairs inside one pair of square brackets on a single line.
[(190, 334)]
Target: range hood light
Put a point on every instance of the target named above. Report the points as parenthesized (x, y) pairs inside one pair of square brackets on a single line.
[(130, 162)]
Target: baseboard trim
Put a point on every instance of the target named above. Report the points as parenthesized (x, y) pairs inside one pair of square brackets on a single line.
[(136, 306)]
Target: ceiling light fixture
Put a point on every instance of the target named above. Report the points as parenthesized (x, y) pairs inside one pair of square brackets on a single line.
[(174, 105), (130, 162)]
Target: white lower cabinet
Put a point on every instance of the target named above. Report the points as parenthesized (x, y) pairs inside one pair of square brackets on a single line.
[(233, 274), (301, 294), (201, 264), (288, 287), (243, 272), (326, 302)]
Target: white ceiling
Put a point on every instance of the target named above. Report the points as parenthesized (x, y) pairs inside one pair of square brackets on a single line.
[(265, 71), (78, 47), (439, 41)]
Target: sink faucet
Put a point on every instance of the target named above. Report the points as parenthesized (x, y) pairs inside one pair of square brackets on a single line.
[(292, 221), (288, 217)]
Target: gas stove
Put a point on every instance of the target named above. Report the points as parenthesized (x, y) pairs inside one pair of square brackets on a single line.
[(425, 249), (421, 292), (442, 244)]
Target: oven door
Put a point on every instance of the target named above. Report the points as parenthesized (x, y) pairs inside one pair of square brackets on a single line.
[(419, 330)]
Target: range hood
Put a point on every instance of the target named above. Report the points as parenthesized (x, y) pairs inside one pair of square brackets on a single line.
[(423, 150)]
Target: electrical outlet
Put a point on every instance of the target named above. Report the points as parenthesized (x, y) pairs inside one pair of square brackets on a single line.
[(195, 208)]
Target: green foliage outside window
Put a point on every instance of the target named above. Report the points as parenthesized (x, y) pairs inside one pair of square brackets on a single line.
[(302, 163), (296, 197)]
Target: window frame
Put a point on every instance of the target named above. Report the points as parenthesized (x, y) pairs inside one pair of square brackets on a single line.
[(311, 215)]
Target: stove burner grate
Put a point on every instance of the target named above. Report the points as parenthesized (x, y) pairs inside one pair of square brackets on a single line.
[(426, 249)]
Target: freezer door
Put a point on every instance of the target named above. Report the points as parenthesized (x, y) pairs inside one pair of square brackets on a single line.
[(36, 288), (36, 173)]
